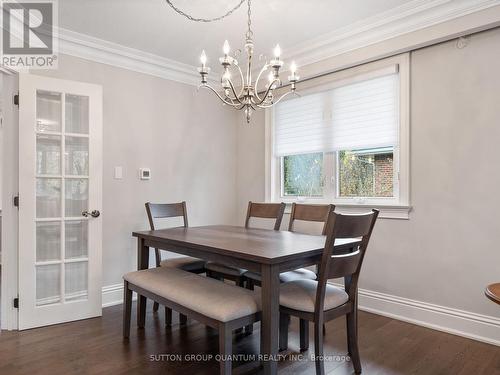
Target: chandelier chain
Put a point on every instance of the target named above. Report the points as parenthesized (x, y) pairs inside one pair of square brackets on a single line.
[(249, 32), (228, 13)]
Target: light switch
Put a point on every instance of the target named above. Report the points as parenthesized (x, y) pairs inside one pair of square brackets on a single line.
[(118, 173)]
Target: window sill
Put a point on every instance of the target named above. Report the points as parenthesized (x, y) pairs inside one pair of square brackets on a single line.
[(386, 211)]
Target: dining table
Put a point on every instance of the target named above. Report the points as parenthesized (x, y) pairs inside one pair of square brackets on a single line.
[(268, 252)]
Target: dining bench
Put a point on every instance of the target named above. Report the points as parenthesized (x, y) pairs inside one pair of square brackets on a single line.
[(212, 302)]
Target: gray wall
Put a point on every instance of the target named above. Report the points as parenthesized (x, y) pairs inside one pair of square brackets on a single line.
[(187, 139), (448, 251)]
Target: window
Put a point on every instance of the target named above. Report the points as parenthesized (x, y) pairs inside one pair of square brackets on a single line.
[(303, 175), (344, 142), (366, 173)]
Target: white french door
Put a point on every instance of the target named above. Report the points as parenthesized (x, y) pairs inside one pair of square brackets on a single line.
[(60, 195)]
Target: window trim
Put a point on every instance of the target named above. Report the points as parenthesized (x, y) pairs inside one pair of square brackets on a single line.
[(394, 208)]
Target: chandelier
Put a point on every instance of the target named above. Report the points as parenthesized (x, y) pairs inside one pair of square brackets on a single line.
[(244, 95)]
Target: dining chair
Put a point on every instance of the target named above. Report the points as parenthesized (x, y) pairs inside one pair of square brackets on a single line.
[(164, 211), (305, 213), (300, 212), (320, 301), (272, 211)]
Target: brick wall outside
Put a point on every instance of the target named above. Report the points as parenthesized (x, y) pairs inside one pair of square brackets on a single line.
[(383, 175)]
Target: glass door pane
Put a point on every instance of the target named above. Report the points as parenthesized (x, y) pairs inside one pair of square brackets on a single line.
[(76, 156), (76, 239), (48, 154), (48, 111), (48, 284), (48, 241), (77, 114)]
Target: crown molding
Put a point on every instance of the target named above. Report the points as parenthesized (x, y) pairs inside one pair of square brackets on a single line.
[(410, 17), (102, 51)]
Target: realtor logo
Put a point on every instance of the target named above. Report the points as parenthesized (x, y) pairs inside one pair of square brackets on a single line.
[(28, 34)]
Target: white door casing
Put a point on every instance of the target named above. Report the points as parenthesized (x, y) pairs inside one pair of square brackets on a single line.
[(60, 176)]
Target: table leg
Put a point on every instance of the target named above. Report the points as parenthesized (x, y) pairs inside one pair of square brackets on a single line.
[(270, 318), (142, 263)]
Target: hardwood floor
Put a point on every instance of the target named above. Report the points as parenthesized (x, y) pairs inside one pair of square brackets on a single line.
[(95, 346)]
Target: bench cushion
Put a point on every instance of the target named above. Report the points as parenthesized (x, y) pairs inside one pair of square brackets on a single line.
[(184, 263), (212, 298), (301, 295)]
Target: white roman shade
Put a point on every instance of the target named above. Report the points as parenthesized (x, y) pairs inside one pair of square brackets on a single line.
[(354, 116)]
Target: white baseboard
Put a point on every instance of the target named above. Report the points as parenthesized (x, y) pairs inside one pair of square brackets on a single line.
[(457, 322), (112, 295)]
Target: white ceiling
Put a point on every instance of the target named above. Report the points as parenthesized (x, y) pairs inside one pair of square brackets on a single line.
[(152, 26)]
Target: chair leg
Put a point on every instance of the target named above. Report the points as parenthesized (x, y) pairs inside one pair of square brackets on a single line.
[(225, 349), (141, 311), (349, 351), (168, 316), (183, 319), (283, 339), (304, 335), (240, 281), (127, 312), (250, 286), (156, 306), (318, 348), (352, 340)]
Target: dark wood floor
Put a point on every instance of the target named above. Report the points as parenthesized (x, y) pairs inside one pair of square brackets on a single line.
[(95, 346)]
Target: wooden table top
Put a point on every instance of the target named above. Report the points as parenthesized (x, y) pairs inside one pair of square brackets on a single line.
[(256, 245), (493, 292)]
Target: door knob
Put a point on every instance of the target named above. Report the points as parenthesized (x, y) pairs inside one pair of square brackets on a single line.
[(94, 213)]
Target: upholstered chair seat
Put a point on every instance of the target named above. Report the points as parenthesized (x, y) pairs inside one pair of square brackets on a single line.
[(299, 274), (301, 295)]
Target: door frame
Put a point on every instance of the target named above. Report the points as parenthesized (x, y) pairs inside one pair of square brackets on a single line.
[(9, 84)]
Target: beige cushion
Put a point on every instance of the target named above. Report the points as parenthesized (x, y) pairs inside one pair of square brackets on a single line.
[(301, 295), (184, 263), (210, 297), (301, 273), (225, 270)]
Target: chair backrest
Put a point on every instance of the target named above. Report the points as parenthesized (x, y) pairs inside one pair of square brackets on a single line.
[(348, 266), (166, 210), (310, 212), (266, 211)]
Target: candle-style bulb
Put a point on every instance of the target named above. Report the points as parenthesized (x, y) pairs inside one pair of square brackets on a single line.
[(226, 48), (277, 51), (293, 67), (203, 58)]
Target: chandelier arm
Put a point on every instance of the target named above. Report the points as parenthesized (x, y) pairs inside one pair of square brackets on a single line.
[(264, 68), (242, 81), (277, 101), (218, 95), (276, 80), (236, 97)]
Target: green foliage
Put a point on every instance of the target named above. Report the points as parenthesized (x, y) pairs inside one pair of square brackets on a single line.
[(303, 175), (356, 174)]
